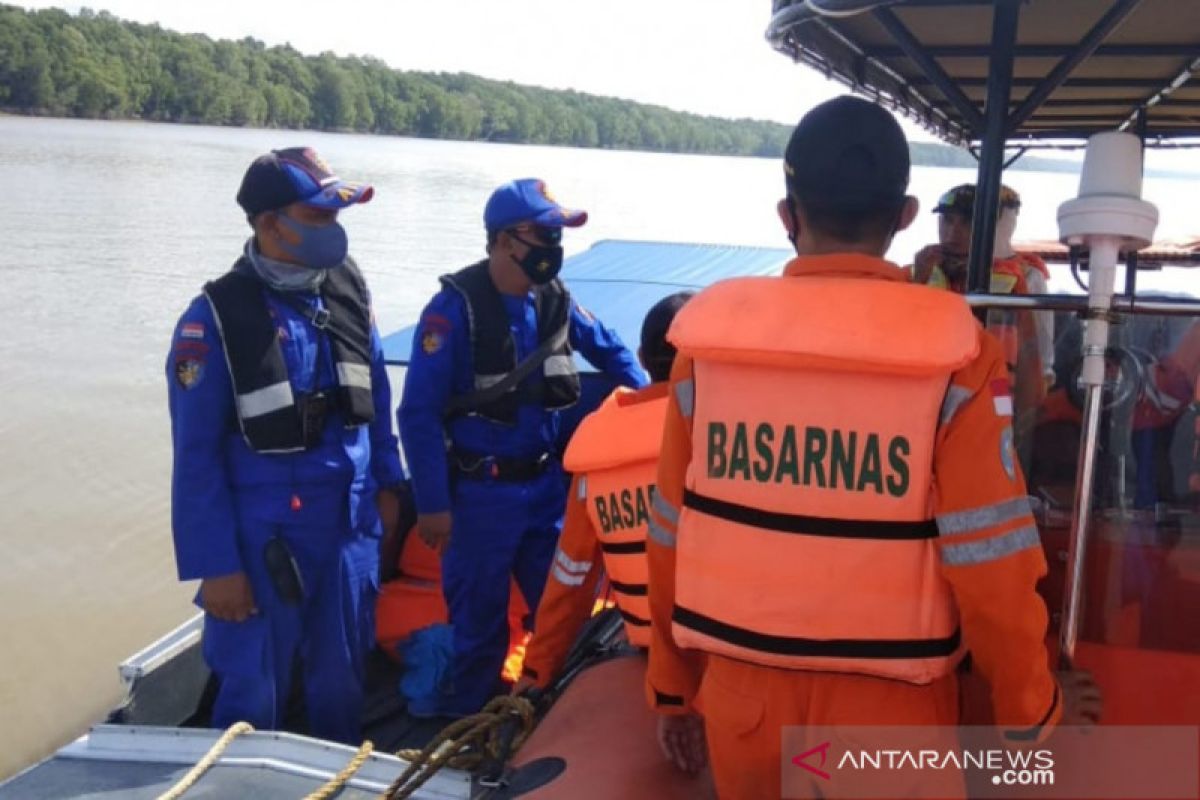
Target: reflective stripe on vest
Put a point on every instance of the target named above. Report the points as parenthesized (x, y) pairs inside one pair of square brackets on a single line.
[(615, 450), (805, 540)]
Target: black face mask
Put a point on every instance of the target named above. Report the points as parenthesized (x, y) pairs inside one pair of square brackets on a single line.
[(791, 207), (542, 263)]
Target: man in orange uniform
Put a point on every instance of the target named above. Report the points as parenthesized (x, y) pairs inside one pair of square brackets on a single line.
[(1026, 337), (839, 514), (613, 457)]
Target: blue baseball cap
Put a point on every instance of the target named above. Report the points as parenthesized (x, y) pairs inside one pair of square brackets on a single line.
[(527, 200), (296, 175)]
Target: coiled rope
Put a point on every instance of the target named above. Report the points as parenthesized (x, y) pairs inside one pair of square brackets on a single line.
[(467, 744)]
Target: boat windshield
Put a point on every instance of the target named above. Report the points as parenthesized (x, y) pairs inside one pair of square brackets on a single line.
[(1142, 584)]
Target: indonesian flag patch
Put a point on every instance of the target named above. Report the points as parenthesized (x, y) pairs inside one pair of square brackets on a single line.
[(1002, 397)]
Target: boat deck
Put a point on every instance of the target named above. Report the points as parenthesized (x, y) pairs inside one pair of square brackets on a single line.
[(144, 762)]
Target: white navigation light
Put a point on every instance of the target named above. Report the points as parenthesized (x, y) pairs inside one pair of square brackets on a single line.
[(1108, 216), (1110, 200)]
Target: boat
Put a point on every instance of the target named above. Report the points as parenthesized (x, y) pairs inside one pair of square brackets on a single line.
[(1113, 463), (156, 736)]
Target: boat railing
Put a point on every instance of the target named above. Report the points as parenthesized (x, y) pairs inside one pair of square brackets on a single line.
[(162, 650), (1171, 307)]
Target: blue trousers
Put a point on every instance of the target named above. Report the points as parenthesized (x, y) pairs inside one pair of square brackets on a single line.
[(331, 631), (500, 531)]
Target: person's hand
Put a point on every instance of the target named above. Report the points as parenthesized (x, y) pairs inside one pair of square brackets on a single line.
[(924, 261), (681, 738), (1082, 701), (388, 504), (228, 597), (434, 529)]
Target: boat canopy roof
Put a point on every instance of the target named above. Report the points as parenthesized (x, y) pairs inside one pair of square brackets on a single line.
[(618, 282), (1183, 253), (1079, 66)]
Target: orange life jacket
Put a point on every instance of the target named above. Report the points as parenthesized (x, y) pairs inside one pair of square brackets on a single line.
[(413, 600), (615, 454), (805, 539)]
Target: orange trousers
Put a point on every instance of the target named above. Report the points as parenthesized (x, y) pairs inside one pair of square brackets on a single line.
[(746, 708)]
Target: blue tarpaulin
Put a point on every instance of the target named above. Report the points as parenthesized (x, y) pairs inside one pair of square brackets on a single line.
[(427, 655), (618, 282)]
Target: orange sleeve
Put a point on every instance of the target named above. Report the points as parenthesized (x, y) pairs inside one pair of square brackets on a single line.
[(990, 548), (570, 591), (673, 675)]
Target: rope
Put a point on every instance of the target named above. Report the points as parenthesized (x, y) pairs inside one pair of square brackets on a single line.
[(466, 744), (210, 758), (336, 783)]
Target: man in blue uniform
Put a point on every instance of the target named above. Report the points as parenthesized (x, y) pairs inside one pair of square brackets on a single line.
[(281, 424), (491, 367)]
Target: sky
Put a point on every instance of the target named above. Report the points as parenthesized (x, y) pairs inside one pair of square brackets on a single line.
[(704, 56)]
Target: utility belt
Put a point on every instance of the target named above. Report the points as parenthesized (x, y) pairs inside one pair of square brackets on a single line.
[(479, 467)]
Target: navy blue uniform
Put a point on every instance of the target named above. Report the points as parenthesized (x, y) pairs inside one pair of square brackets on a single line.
[(228, 501), (501, 529)]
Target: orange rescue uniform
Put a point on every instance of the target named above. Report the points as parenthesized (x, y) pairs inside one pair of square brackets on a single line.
[(839, 517), (614, 457)]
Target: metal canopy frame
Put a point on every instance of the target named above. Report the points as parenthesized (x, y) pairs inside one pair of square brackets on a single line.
[(870, 46), (899, 68)]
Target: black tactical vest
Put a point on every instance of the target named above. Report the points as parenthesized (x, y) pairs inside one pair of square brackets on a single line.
[(272, 418), (494, 352)]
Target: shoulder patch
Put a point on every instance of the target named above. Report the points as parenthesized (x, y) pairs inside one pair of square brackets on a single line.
[(189, 369), (432, 341), (192, 330), (1008, 453), (434, 329)]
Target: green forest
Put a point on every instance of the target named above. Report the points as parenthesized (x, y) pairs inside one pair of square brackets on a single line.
[(97, 66)]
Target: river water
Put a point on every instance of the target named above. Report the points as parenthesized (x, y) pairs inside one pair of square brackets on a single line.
[(107, 229)]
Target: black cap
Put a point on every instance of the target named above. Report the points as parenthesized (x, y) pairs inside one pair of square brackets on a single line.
[(848, 155), (293, 175), (657, 352), (961, 200)]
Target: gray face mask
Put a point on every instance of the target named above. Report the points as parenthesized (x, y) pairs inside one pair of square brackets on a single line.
[(283, 277)]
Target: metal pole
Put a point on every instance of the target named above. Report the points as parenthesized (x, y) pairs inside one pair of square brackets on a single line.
[(1081, 518), (1131, 265), (1183, 307), (1104, 251), (991, 161)]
